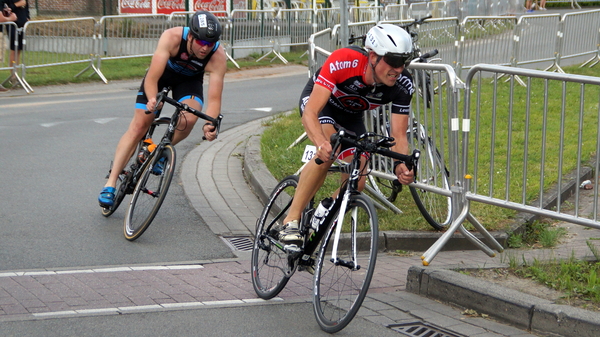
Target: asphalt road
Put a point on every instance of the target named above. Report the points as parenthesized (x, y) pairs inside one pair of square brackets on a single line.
[(56, 149)]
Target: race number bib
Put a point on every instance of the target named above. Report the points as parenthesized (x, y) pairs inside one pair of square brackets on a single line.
[(309, 153)]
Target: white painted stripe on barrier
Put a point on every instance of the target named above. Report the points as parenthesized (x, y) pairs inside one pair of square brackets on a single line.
[(454, 124), (466, 127)]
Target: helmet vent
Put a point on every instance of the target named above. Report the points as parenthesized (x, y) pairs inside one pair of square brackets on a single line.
[(391, 39)]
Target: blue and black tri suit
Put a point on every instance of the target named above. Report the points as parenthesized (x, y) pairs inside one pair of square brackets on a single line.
[(184, 74)]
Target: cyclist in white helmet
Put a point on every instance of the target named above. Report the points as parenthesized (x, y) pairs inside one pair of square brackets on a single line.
[(351, 81)]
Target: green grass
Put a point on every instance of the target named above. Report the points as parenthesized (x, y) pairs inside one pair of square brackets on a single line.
[(128, 68), (538, 233), (578, 280)]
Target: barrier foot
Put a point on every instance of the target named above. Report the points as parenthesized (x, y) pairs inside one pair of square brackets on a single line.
[(232, 60), (488, 237), (300, 139), (96, 71), (277, 55), (430, 254), (377, 195), (475, 241), (556, 68), (596, 59), (22, 83)]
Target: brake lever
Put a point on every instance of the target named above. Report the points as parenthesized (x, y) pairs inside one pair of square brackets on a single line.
[(217, 125)]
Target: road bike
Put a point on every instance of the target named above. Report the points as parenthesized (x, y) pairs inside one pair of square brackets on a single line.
[(148, 179), (340, 249)]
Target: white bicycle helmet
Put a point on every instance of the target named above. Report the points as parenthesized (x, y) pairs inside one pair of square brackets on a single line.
[(391, 42)]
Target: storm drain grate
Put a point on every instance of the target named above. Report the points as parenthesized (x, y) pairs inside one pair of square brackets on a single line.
[(241, 243), (419, 329)]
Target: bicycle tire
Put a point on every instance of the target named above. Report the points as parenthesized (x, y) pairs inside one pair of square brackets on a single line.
[(385, 187), (435, 208), (149, 194), (123, 181), (339, 290), (271, 265)]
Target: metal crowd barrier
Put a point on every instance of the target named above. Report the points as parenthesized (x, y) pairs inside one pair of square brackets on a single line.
[(536, 37), (298, 25), (58, 42), (257, 30), (513, 161), (525, 150), (395, 12), (440, 34), (122, 36), (485, 38), (365, 13), (500, 40), (573, 43)]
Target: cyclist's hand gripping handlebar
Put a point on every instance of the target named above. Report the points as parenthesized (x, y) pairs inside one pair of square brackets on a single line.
[(336, 143), (162, 96)]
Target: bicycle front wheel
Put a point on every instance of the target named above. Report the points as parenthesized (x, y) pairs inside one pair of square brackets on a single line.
[(150, 192), (341, 282), (435, 208), (271, 265)]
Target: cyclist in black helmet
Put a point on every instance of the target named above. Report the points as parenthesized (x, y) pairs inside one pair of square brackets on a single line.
[(180, 60)]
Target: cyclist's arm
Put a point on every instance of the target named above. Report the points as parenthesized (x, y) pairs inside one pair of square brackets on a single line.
[(310, 119), (399, 125), (216, 67), (168, 45), (11, 18)]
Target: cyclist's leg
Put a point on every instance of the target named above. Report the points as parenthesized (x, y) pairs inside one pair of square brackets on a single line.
[(311, 179), (137, 129), (187, 91)]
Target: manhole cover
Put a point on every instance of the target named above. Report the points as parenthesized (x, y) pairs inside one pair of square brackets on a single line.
[(419, 329), (242, 243)]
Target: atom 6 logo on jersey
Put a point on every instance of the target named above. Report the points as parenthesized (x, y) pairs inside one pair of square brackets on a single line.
[(339, 65)]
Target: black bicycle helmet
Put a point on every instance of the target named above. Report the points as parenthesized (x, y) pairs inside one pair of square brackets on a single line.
[(205, 26)]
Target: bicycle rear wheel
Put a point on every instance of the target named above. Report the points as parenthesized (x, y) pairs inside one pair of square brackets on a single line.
[(272, 267), (341, 286), (435, 208), (149, 193)]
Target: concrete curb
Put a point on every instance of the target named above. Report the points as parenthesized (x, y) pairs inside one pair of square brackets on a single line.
[(508, 305)]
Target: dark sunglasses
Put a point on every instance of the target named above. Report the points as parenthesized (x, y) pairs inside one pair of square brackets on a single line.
[(203, 43), (396, 60)]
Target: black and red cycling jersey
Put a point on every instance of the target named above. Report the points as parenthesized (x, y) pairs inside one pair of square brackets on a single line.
[(342, 73)]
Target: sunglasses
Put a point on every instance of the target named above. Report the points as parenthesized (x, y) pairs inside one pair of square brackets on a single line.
[(396, 60), (203, 43)]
